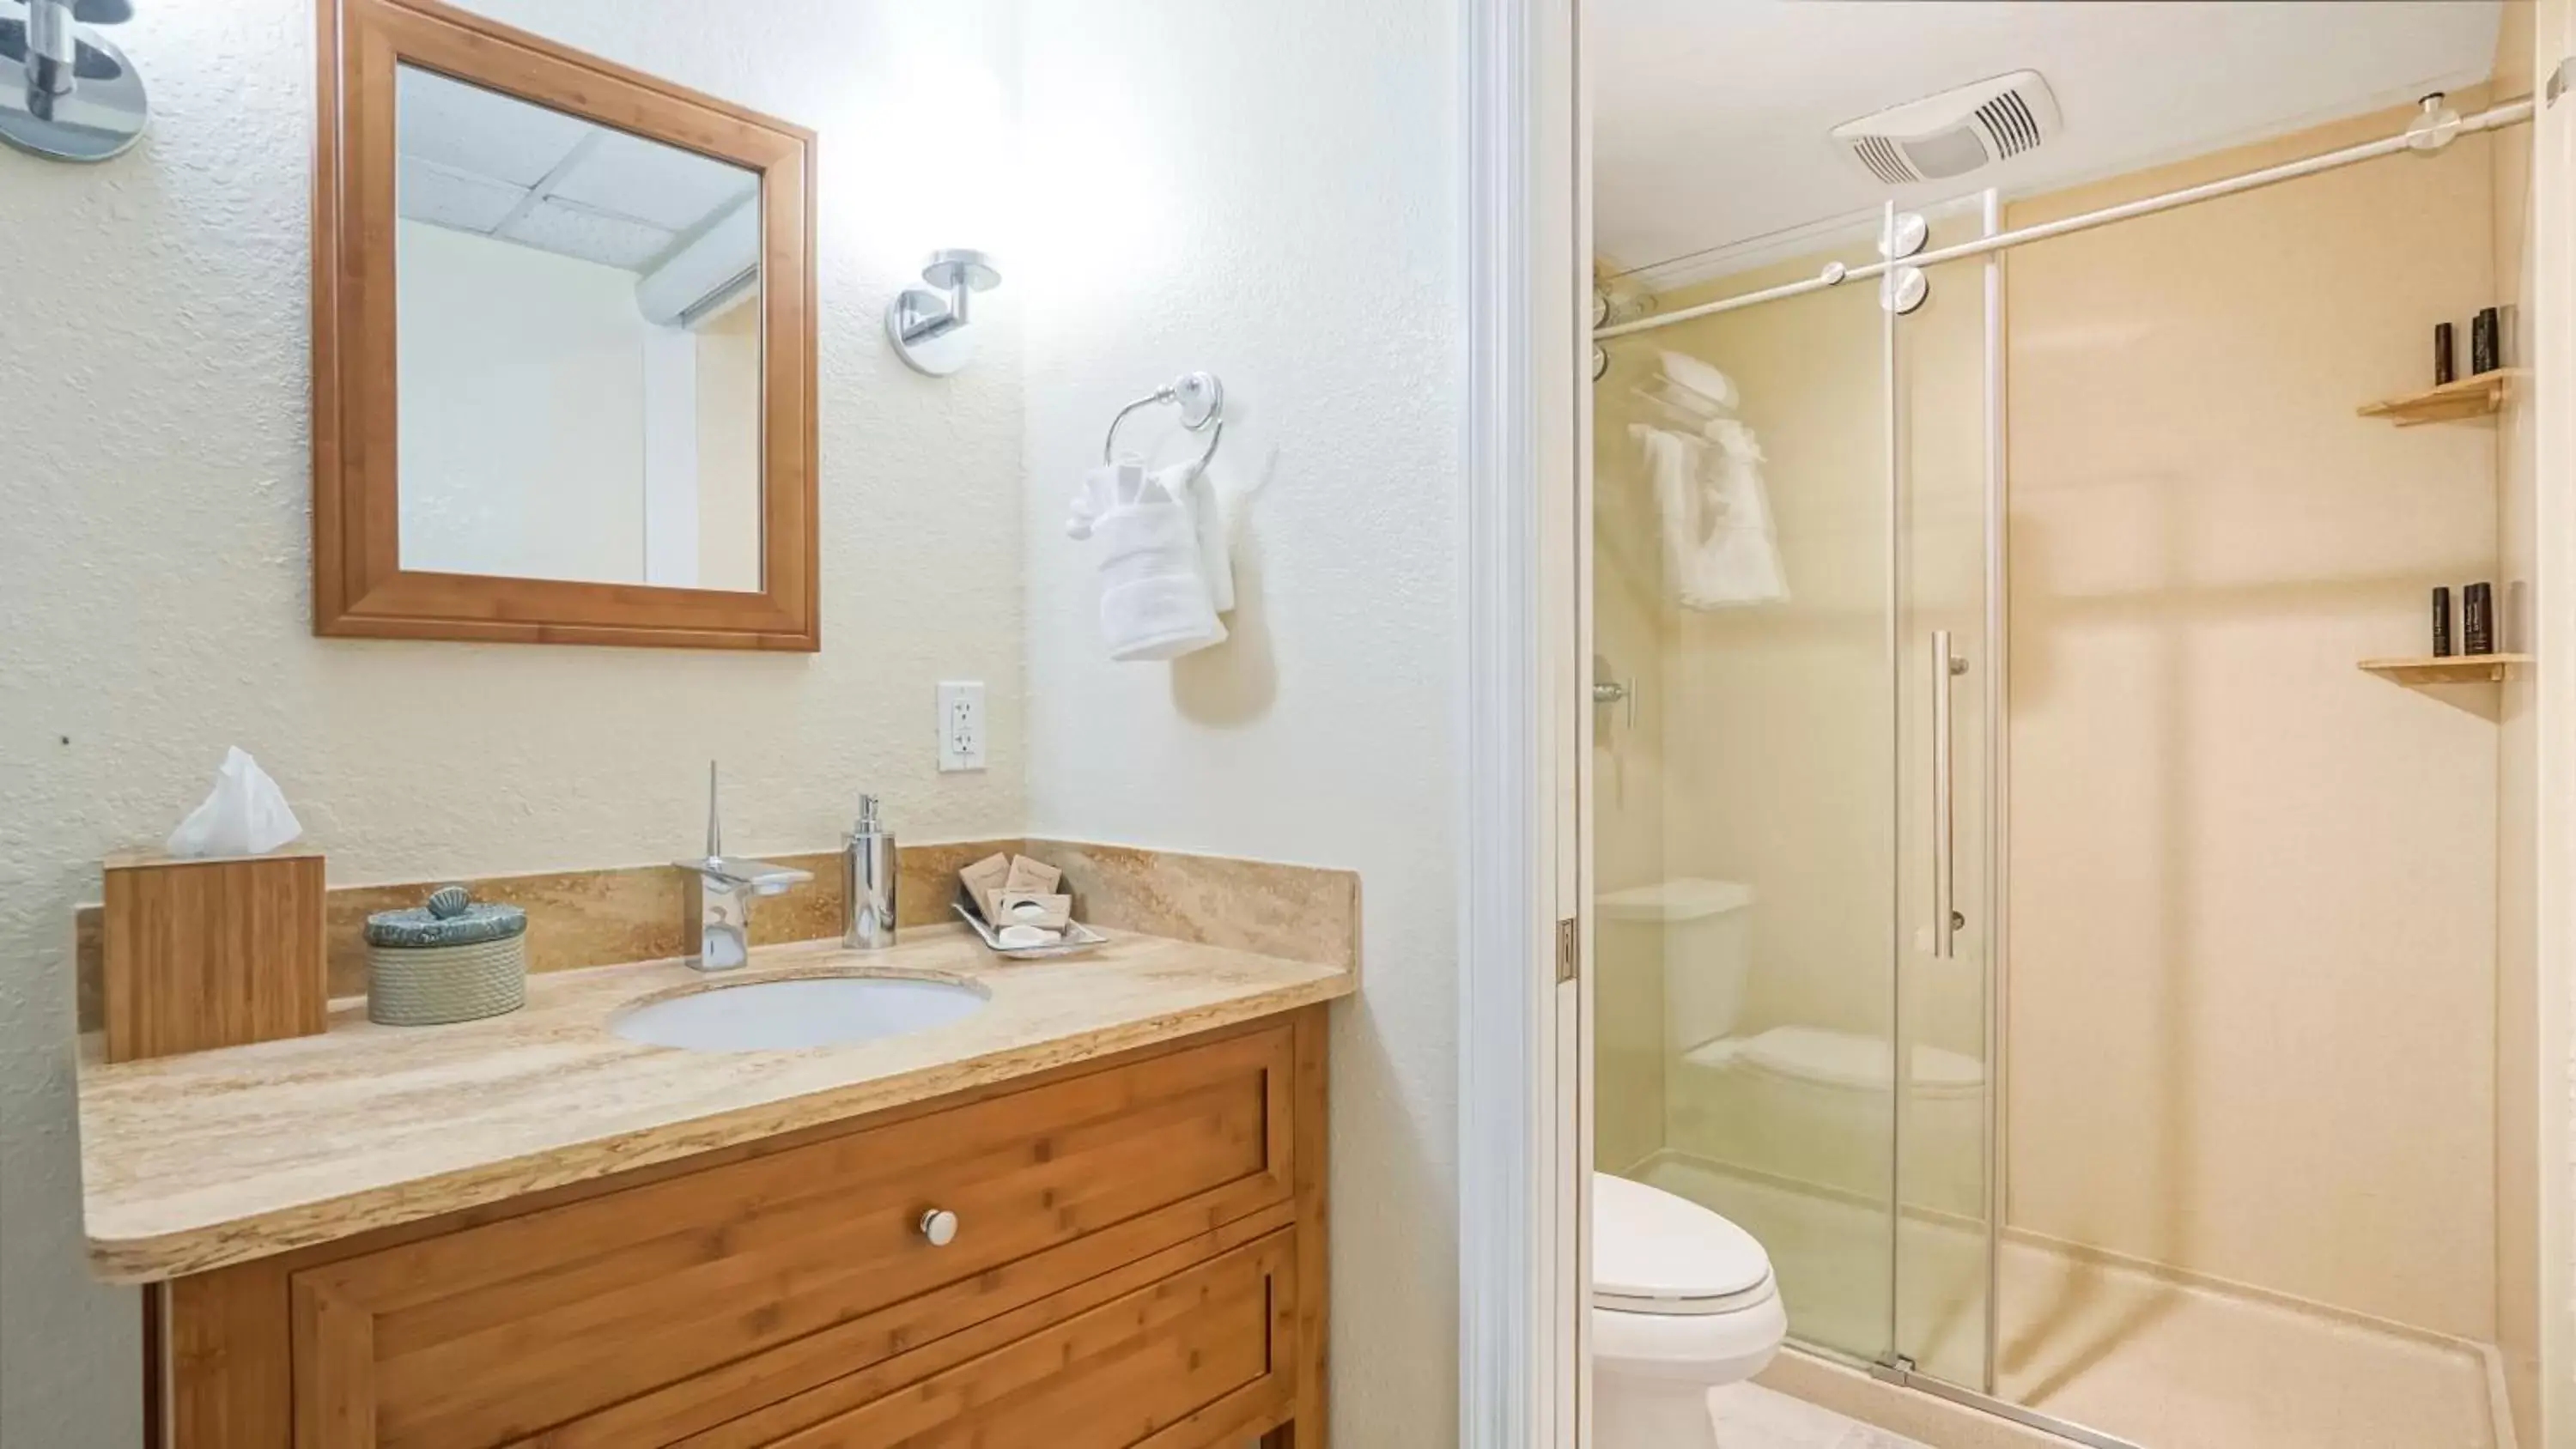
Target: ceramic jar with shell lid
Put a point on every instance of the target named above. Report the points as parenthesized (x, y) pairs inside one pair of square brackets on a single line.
[(452, 959)]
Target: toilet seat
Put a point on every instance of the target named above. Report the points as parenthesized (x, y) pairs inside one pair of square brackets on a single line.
[(1707, 1349), (1683, 1302), (1663, 1256)]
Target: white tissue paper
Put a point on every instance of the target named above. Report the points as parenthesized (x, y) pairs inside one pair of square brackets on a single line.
[(245, 814)]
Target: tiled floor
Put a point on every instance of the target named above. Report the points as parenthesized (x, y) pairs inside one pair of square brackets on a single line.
[(1752, 1417), (2162, 1363)]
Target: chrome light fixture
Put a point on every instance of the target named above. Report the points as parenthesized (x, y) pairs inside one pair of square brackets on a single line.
[(75, 97), (928, 328)]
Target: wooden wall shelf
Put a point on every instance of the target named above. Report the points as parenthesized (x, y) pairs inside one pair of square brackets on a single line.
[(2469, 397), (2449, 669)]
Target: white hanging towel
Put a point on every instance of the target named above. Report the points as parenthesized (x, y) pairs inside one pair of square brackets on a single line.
[(1156, 600), (1190, 483), (1720, 549), (1098, 494)]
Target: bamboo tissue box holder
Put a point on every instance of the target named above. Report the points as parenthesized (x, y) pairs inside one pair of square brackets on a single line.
[(219, 952)]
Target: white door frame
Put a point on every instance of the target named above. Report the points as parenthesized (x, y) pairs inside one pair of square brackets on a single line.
[(1523, 1133), (2553, 631)]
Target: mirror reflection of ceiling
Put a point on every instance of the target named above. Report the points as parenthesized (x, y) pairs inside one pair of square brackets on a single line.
[(478, 161), (1710, 120)]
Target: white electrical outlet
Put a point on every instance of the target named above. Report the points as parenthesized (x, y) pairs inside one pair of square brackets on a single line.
[(961, 725)]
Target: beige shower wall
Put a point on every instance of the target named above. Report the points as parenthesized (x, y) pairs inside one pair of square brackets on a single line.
[(2253, 929)]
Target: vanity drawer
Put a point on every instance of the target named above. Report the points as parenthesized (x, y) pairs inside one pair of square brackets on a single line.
[(1206, 1356), (797, 1260)]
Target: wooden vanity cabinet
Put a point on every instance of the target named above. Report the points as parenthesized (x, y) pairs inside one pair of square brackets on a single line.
[(1138, 1260)]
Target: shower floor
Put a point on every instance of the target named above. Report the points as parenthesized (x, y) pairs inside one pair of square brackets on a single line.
[(2164, 1362)]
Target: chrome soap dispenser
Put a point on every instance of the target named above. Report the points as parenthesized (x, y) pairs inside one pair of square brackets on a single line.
[(868, 882)]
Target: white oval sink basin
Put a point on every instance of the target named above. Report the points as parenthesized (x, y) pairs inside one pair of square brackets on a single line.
[(801, 1011)]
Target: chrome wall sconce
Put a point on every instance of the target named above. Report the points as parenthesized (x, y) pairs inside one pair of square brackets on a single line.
[(928, 328), (73, 96)]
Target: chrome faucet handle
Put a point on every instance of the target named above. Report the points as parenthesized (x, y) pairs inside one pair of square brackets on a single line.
[(761, 877), (715, 821), (720, 916)]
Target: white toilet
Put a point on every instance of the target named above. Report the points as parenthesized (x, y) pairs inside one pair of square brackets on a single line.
[(1682, 1302)]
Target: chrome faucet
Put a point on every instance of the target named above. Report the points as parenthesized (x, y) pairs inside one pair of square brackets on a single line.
[(721, 919)]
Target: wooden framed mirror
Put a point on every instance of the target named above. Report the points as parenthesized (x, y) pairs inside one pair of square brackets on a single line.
[(563, 346)]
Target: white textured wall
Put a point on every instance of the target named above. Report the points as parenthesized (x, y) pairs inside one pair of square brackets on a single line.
[(153, 560), (1270, 192)]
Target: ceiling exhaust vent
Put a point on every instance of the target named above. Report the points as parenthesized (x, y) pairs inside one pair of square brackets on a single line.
[(1956, 132)]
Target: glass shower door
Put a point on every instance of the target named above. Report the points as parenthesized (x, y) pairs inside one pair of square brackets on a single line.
[(1948, 499), (1746, 780), (1792, 609)]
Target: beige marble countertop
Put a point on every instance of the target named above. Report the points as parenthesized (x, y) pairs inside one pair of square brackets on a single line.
[(212, 1158)]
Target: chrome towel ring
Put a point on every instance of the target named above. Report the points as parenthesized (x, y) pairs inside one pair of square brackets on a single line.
[(1201, 399)]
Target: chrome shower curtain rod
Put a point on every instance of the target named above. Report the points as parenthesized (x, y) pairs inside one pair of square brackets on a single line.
[(2491, 119)]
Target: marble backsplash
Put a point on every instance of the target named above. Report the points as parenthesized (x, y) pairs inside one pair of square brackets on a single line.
[(637, 913), (1303, 913)]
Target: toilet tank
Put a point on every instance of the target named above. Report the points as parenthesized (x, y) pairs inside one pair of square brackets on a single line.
[(1701, 931)]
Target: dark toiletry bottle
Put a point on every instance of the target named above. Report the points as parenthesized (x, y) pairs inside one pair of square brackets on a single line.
[(2446, 358), (2477, 618), (2442, 623), (2484, 345)]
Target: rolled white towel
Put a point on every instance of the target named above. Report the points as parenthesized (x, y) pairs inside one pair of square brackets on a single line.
[(1154, 597), (1103, 488), (1189, 484)]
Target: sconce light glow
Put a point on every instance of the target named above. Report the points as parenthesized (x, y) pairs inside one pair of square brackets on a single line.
[(1100, 226), (954, 177)]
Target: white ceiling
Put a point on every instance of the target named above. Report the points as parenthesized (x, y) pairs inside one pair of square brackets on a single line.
[(479, 161), (1710, 116)]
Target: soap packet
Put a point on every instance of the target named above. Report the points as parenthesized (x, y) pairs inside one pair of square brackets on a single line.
[(1013, 902), (1031, 877), (981, 883), (998, 883)]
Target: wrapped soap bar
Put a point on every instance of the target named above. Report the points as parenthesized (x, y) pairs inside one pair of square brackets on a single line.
[(1027, 908)]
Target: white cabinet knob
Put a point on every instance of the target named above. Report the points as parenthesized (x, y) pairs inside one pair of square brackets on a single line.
[(939, 1225)]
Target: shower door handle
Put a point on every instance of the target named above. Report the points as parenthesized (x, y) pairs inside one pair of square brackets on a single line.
[(1946, 919), (1618, 691)]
